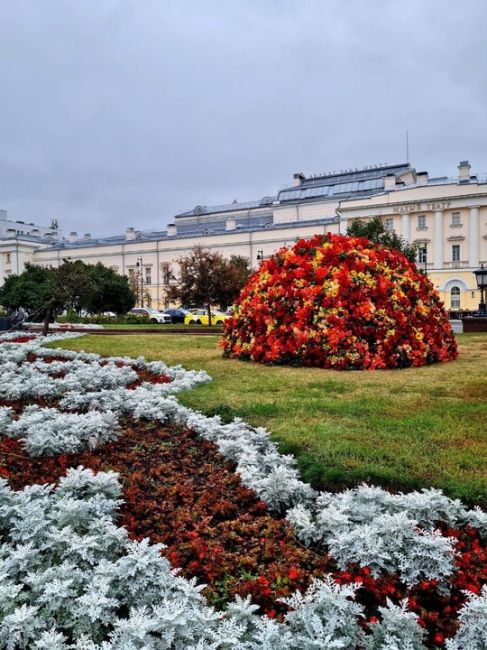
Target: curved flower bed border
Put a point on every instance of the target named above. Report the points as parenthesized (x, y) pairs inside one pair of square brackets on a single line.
[(275, 479)]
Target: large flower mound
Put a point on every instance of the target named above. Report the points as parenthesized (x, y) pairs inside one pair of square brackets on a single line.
[(339, 302)]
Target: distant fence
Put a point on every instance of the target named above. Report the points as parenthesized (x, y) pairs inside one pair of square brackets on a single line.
[(457, 314)]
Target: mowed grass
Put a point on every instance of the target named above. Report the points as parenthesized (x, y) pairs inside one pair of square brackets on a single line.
[(158, 326), (399, 428)]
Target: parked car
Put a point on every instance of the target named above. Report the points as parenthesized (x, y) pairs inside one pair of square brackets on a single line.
[(200, 317), (177, 315), (153, 315)]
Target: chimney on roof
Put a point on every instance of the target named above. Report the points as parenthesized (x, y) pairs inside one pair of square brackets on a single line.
[(129, 234), (464, 171), (73, 236), (87, 235), (408, 177), (390, 182), (3, 215), (298, 179), (422, 178), (171, 230)]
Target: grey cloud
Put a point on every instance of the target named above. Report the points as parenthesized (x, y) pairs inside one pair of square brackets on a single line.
[(122, 112)]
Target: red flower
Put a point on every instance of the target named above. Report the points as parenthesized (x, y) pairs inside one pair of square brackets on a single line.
[(339, 302), (293, 573)]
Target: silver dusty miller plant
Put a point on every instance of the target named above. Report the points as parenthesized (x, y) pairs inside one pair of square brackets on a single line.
[(71, 579), (66, 569)]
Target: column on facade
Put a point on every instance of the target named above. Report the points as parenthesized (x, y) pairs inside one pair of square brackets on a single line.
[(438, 240), (473, 237), (405, 225), (14, 258)]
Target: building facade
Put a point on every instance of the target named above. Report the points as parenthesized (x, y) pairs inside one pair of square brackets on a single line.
[(445, 217), (20, 241)]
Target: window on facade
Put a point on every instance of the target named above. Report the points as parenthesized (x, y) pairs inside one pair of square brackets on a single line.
[(455, 219), (455, 253), (166, 275), (421, 221), (148, 276), (422, 254), (131, 273), (455, 298), (389, 223), (7, 258)]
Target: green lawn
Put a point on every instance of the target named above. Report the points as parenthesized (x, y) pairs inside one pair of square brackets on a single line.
[(142, 325), (157, 326), (400, 428)]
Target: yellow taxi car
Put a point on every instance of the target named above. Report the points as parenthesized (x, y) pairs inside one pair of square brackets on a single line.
[(200, 317)]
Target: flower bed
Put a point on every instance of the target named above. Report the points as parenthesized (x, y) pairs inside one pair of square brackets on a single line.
[(393, 568), (64, 327), (339, 302)]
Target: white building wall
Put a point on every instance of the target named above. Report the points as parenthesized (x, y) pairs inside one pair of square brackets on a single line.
[(437, 203)]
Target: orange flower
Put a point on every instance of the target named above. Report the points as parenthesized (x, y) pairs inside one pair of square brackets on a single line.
[(339, 302)]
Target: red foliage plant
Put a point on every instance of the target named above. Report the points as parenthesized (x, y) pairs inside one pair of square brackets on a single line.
[(180, 491), (18, 339), (339, 302)]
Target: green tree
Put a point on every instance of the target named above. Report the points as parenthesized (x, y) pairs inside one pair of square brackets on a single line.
[(109, 291), (375, 231), (45, 292), (33, 290), (73, 285), (209, 279), (237, 273)]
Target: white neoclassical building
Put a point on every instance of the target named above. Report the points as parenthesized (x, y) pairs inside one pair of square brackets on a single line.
[(446, 217)]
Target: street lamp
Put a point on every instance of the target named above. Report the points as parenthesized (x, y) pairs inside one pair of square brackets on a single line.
[(140, 266), (260, 256), (481, 277)]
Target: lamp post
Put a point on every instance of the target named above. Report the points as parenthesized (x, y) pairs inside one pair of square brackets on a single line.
[(140, 266), (260, 256), (481, 277)]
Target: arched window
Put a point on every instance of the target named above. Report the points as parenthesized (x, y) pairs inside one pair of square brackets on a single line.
[(455, 298)]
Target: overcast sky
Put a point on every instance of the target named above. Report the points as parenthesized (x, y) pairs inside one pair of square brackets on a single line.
[(117, 113)]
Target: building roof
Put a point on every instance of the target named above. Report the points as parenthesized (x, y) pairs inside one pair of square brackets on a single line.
[(350, 183), (38, 239), (155, 236), (82, 242), (227, 207), (256, 215)]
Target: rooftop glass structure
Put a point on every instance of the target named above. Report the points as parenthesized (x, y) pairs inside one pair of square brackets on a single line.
[(349, 184)]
